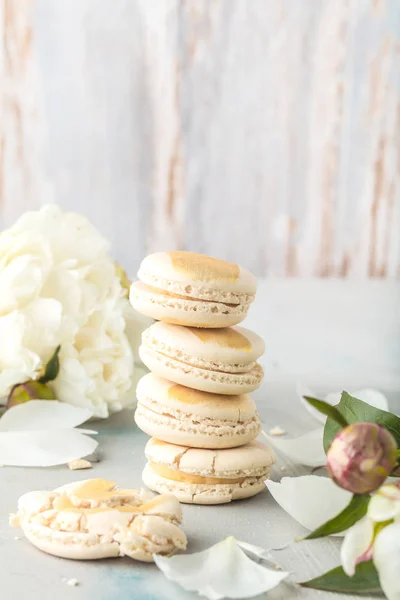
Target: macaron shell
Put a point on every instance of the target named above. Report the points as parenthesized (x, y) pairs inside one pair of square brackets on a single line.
[(71, 551), (179, 310), (157, 393), (224, 346), (202, 493), (201, 379), (182, 415), (250, 460), (220, 436), (179, 271)]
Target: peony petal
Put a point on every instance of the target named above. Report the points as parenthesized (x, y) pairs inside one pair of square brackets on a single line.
[(43, 415), (356, 542), (309, 499), (307, 449), (261, 553), (387, 560), (382, 509), (222, 571), (43, 448)]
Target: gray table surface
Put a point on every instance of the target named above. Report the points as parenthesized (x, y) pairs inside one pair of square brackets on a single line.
[(335, 332), (26, 572)]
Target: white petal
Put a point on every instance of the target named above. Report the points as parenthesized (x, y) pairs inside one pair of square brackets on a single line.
[(368, 395), (381, 508), (306, 449), (255, 550), (387, 560), (305, 391), (309, 499), (42, 415), (356, 542), (222, 571), (43, 448)]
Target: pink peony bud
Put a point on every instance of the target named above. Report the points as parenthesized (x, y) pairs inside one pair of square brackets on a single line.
[(361, 456)]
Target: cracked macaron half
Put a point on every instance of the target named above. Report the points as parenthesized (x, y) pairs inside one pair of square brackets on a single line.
[(202, 476), (180, 415), (221, 361), (186, 288)]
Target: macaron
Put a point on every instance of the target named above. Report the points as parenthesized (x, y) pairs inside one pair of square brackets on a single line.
[(94, 519), (197, 476), (220, 361), (186, 288), (181, 415)]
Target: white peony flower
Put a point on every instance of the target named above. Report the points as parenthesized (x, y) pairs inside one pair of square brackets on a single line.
[(59, 286), (377, 536)]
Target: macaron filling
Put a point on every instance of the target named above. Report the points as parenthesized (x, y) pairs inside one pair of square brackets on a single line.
[(201, 363), (175, 475), (251, 376), (177, 420), (150, 299)]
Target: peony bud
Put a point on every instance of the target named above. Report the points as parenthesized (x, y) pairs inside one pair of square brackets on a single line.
[(31, 390), (361, 456)]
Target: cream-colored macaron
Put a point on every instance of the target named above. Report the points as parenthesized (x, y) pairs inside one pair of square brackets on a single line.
[(220, 361), (186, 288), (181, 415), (197, 476), (93, 519)]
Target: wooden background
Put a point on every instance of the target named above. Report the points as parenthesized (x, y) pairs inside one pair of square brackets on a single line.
[(262, 131)]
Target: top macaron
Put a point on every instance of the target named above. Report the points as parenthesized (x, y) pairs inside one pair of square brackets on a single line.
[(185, 288)]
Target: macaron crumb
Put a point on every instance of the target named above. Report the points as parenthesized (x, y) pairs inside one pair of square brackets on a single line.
[(16, 538), (71, 582), (79, 464), (277, 430)]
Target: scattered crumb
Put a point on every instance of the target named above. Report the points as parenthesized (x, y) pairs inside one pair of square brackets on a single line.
[(17, 538), (71, 582), (283, 468), (277, 430), (80, 463)]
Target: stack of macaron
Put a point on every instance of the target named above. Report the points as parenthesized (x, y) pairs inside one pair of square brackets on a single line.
[(194, 402)]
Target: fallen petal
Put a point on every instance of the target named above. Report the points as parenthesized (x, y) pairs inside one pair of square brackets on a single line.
[(43, 448), (41, 414), (306, 449), (310, 499), (222, 571), (387, 560)]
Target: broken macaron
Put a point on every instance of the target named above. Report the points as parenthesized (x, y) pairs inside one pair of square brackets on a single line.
[(94, 519)]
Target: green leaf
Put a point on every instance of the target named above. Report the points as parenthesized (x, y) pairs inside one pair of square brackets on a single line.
[(364, 581), (52, 367), (354, 511), (355, 410), (328, 410)]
